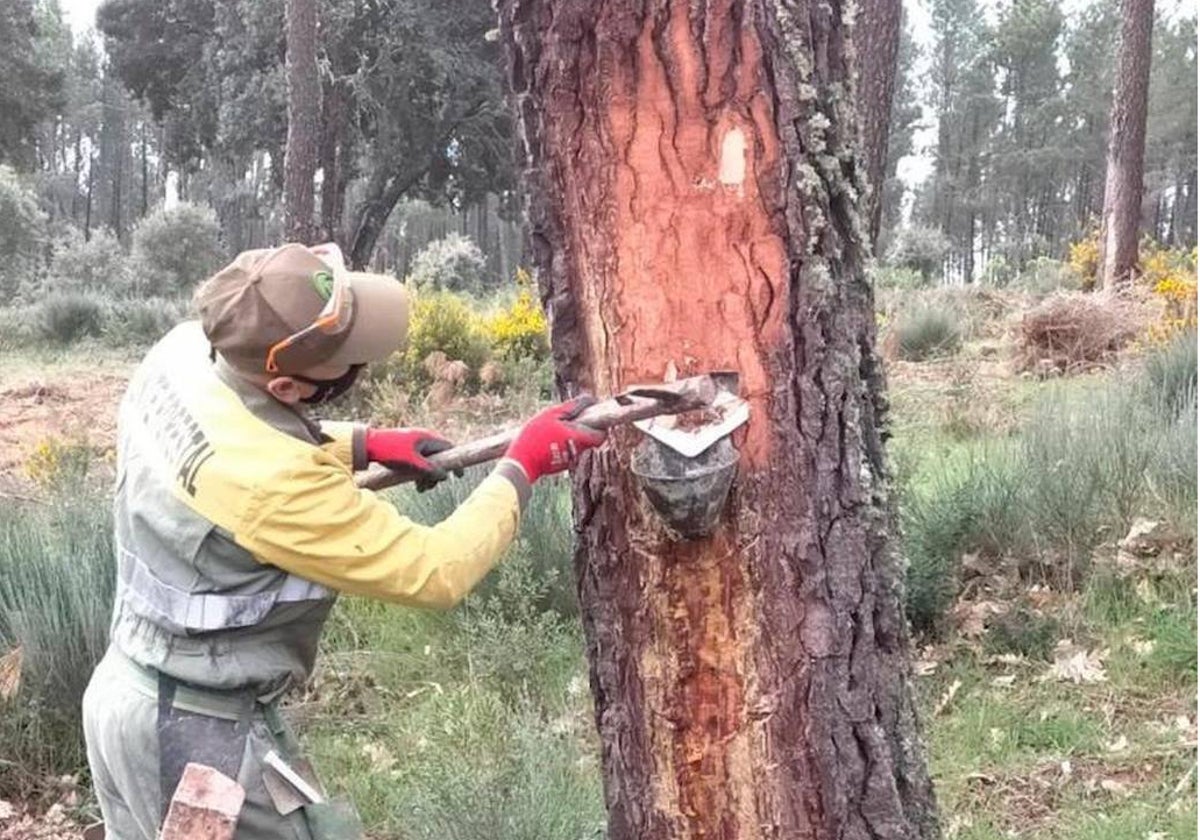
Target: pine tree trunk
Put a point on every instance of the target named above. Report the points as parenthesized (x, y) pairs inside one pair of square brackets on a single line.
[(1126, 145), (304, 95), (876, 48), (333, 163), (78, 164), (689, 172), (91, 180), (145, 174)]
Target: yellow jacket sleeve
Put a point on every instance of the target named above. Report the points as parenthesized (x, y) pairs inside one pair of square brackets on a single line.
[(347, 443), (314, 522)]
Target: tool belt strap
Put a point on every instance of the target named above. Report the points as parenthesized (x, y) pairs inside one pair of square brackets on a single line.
[(227, 705)]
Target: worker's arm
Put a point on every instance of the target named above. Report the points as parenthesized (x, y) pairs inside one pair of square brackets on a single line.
[(348, 442), (311, 520), (315, 523), (402, 450)]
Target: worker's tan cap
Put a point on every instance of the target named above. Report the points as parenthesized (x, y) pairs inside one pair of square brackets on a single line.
[(264, 296)]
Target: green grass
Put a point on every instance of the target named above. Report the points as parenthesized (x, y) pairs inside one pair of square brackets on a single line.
[(56, 583), (1085, 461), (474, 723), (998, 750), (1171, 372)]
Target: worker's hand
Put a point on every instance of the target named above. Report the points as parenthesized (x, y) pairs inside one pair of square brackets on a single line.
[(550, 442), (406, 451)]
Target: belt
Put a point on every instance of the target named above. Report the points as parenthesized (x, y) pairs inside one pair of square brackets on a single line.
[(232, 704)]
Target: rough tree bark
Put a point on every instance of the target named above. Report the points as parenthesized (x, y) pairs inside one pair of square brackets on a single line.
[(1126, 145), (876, 47), (335, 164), (304, 108), (691, 197)]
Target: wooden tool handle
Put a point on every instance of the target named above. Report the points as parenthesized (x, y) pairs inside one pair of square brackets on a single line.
[(635, 404)]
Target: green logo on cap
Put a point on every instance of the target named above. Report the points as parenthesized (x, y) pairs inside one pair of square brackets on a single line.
[(323, 282)]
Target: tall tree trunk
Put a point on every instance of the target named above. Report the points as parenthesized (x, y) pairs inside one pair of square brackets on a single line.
[(388, 185), (876, 48), (1183, 210), (145, 174), (383, 191), (91, 181), (333, 162), (78, 164), (689, 172), (1126, 145), (304, 103)]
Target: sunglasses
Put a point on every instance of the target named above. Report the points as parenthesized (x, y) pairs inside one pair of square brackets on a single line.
[(335, 318)]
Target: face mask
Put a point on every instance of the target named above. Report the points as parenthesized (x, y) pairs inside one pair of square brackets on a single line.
[(329, 389)]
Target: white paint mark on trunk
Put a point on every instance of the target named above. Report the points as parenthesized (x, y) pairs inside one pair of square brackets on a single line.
[(733, 158)]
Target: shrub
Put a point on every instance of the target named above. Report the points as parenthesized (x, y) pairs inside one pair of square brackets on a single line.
[(142, 322), (926, 331), (527, 384), (519, 330), (56, 586), (65, 317), (920, 249), (175, 249), (998, 271), (20, 327), (442, 321), (965, 505), (1074, 331), (1171, 372), (1172, 478), (97, 265), (59, 465), (453, 264), (897, 277), (1171, 277), (22, 226), (1079, 470), (1083, 258), (1043, 275)]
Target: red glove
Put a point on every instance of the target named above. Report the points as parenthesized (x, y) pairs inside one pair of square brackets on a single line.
[(550, 442), (406, 451)]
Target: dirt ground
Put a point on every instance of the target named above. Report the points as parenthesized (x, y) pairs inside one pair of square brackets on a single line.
[(68, 403)]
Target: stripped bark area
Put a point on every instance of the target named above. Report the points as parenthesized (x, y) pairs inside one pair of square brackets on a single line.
[(692, 206)]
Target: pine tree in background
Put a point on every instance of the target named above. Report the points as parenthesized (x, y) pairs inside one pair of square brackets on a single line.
[(303, 114), (1126, 146), (962, 92), (196, 90), (906, 111), (876, 49), (1171, 135)]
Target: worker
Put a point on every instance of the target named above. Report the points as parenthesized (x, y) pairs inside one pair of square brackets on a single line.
[(238, 520)]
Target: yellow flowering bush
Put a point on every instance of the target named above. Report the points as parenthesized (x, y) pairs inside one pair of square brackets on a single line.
[(519, 330), (57, 463), (440, 321), (1171, 276), (1084, 258)]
